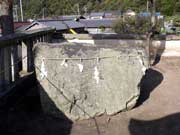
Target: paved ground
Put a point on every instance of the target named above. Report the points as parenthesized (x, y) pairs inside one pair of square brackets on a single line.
[(157, 112)]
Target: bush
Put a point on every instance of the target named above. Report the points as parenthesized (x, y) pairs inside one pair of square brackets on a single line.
[(132, 25), (176, 21)]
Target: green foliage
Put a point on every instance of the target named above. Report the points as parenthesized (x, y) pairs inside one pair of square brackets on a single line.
[(167, 7), (177, 8), (132, 25), (102, 28), (35, 8), (176, 21)]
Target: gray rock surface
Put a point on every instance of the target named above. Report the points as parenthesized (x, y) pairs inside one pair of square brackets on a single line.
[(107, 83)]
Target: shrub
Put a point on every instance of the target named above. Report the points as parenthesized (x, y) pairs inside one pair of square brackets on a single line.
[(176, 21), (132, 25), (102, 28)]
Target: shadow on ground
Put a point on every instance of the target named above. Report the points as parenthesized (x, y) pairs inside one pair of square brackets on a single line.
[(169, 125), (148, 83), (26, 117)]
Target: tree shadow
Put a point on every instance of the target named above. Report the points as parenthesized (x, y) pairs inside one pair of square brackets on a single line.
[(168, 125), (148, 83), (26, 117)]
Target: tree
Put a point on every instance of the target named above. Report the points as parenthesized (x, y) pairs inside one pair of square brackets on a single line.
[(6, 16), (177, 7), (167, 7), (34, 8), (7, 25)]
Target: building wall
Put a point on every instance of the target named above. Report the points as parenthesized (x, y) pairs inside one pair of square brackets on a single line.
[(99, 31)]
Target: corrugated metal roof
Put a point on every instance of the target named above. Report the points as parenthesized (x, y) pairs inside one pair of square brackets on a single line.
[(95, 23)]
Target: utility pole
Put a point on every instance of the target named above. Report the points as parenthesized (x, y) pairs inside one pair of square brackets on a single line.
[(149, 49), (78, 10), (22, 18), (147, 6), (43, 13), (85, 10), (15, 13), (153, 16), (152, 5)]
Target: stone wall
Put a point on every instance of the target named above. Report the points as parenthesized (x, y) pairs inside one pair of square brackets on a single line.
[(85, 80)]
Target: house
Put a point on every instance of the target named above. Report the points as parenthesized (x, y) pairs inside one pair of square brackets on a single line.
[(71, 17), (145, 14), (20, 24), (17, 25), (148, 14), (97, 15), (112, 14), (60, 26), (130, 13), (95, 26)]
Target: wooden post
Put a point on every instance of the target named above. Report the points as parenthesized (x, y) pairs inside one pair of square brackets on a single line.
[(30, 57), (46, 37), (15, 66), (24, 56), (7, 66), (49, 37), (27, 55), (1, 68), (43, 37)]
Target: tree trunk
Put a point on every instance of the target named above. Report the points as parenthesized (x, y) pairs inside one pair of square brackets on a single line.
[(6, 17), (7, 26), (6, 20)]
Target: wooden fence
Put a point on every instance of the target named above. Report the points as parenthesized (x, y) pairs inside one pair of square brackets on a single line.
[(16, 54)]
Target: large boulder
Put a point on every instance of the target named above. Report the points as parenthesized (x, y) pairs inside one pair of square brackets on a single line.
[(84, 80)]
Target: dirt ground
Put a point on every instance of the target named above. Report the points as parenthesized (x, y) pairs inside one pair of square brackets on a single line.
[(157, 111)]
